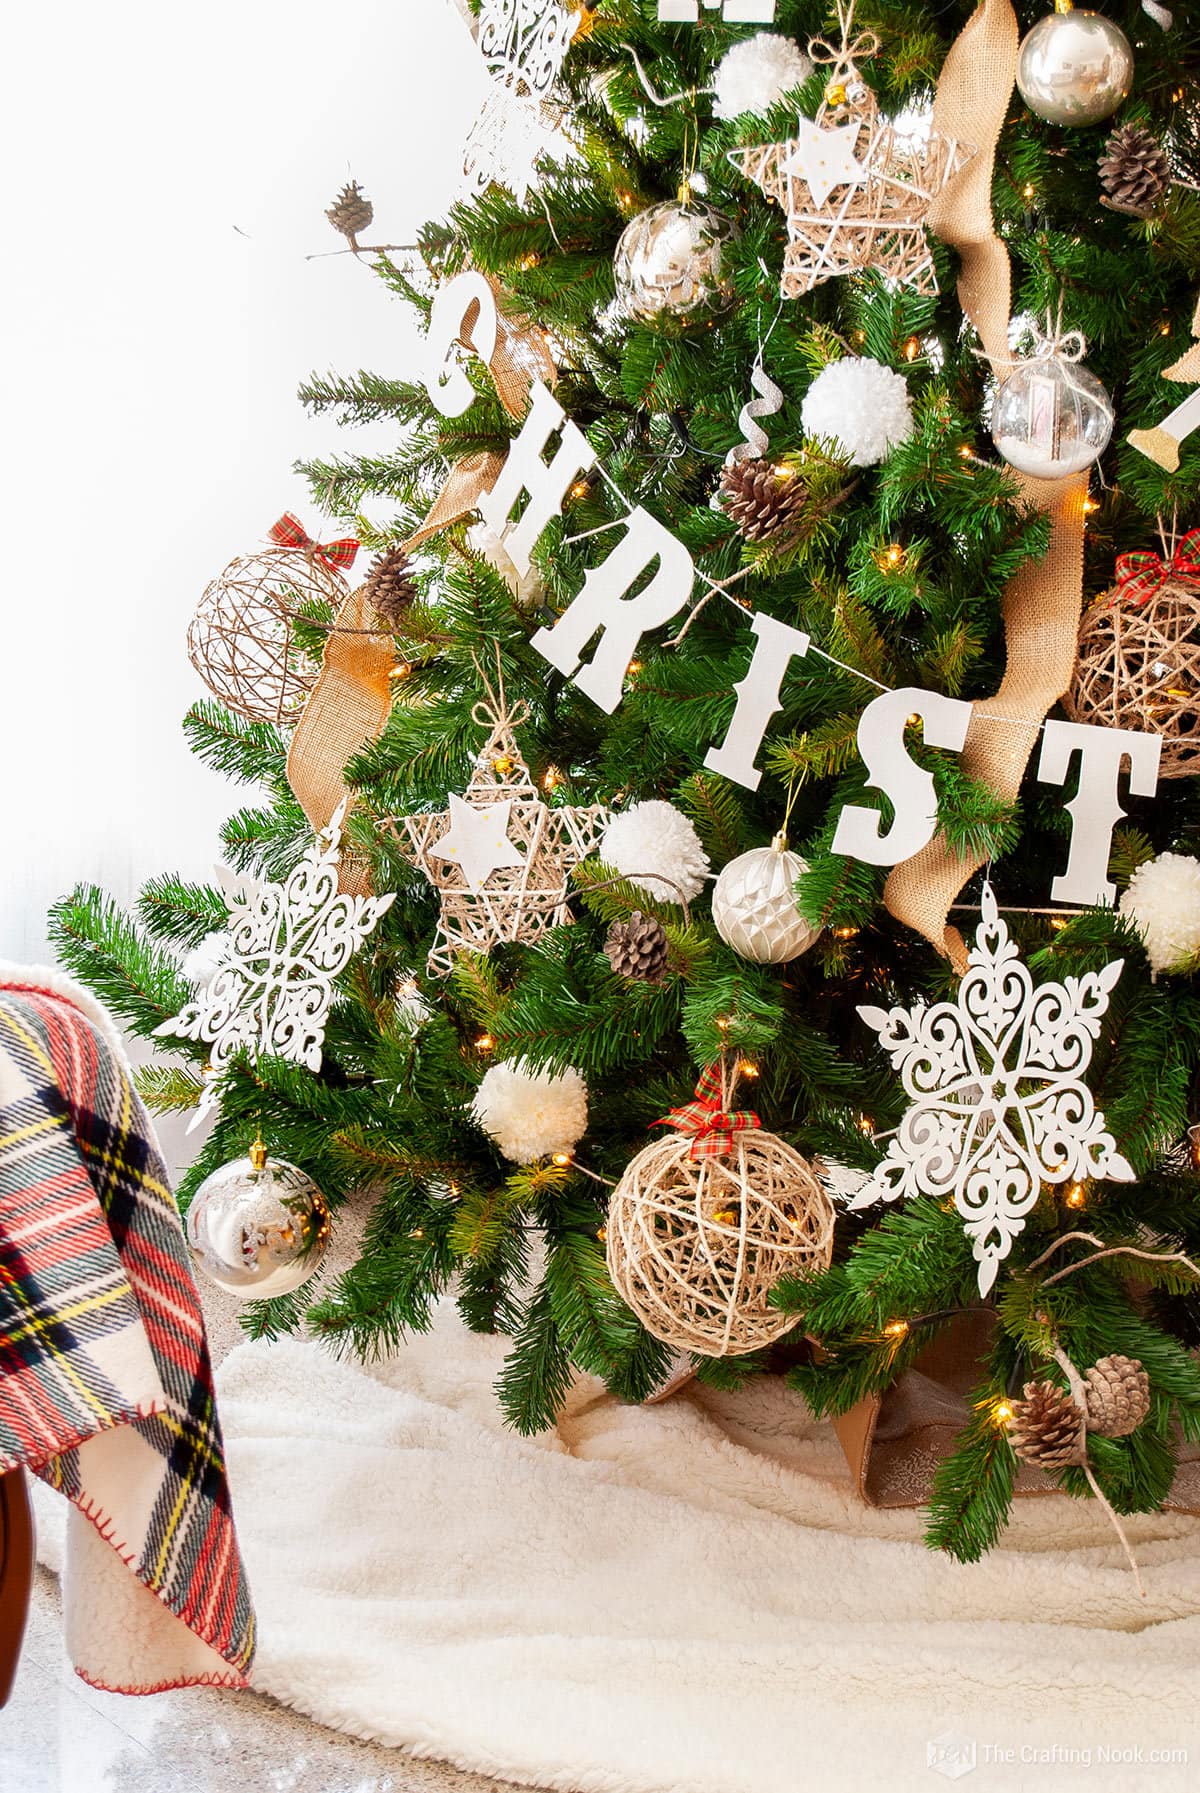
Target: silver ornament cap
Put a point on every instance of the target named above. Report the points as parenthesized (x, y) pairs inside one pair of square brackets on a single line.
[(1075, 67), (258, 1226), (669, 262), (754, 905)]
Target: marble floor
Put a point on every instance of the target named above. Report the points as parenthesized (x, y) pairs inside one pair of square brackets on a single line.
[(58, 1735)]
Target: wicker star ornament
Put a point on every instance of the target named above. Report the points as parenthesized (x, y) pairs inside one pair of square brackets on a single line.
[(855, 188), (500, 857)]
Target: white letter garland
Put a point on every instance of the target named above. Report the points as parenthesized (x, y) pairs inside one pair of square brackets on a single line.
[(998, 1107), (1096, 809), (500, 857), (287, 943), (733, 12)]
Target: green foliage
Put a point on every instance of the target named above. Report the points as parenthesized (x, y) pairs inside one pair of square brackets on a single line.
[(897, 574)]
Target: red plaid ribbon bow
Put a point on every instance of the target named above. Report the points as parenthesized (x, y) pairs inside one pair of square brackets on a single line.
[(1140, 575), (290, 532), (705, 1116)]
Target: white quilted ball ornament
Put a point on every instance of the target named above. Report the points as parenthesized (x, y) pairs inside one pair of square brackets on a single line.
[(754, 905), (1163, 903), (757, 72), (531, 1114), (860, 406), (655, 847)]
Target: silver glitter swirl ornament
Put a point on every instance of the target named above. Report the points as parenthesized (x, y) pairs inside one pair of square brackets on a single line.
[(669, 263), (754, 905), (1075, 67), (258, 1226)]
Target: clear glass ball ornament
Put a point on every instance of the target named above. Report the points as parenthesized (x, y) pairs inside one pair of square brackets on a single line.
[(1075, 67), (670, 263), (754, 906), (1051, 417), (258, 1226)]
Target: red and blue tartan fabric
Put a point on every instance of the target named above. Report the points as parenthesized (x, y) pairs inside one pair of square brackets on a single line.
[(105, 1382)]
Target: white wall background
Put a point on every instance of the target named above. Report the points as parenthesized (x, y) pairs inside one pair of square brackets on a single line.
[(168, 170)]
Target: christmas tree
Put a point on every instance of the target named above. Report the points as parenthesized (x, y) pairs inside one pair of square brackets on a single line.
[(772, 440)]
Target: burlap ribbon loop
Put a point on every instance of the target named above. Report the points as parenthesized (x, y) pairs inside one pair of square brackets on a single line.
[(348, 707), (1041, 603)]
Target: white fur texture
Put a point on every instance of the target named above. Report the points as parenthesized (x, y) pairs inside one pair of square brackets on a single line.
[(531, 1114), (757, 72), (204, 961), (860, 406), (677, 1599), (655, 837), (1163, 902)]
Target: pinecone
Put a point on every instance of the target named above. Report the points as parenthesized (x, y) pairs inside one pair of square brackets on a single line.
[(766, 505), (391, 586), (1047, 1427), (351, 212), (1118, 1396), (1134, 171), (638, 948)]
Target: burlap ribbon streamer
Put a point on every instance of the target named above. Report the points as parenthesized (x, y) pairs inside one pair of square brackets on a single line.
[(1042, 602), (893, 1443), (348, 707), (469, 479)]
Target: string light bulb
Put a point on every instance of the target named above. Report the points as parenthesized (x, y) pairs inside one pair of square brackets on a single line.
[(561, 1159), (895, 1329), (912, 348), (747, 1067), (484, 1043), (400, 670), (889, 558), (551, 778), (1002, 1413), (1076, 1196)]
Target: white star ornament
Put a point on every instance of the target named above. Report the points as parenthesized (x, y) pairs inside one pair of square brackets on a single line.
[(997, 1103), (477, 841), (825, 159)]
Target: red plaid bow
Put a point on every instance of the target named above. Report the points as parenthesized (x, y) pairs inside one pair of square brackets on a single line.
[(1140, 575), (706, 1118), (290, 532)]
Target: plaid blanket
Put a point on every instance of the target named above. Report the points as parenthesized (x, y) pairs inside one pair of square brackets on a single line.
[(105, 1382)]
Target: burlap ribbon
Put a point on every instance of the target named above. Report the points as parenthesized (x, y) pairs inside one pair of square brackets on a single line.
[(1042, 602), (469, 479), (347, 708), (894, 1442)]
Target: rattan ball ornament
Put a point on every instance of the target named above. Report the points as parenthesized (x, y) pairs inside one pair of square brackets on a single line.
[(704, 1223), (754, 905), (258, 1226), (1138, 667), (670, 263), (241, 639)]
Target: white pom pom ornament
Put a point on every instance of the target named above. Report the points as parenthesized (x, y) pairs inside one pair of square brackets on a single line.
[(860, 406), (754, 905), (531, 1114), (1163, 903), (656, 848), (758, 72)]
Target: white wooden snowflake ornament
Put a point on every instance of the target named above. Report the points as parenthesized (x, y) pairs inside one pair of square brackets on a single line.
[(523, 44), (998, 1105), (287, 943)]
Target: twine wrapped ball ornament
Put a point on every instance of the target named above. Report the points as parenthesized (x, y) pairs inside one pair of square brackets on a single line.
[(241, 640), (705, 1222), (1139, 654)]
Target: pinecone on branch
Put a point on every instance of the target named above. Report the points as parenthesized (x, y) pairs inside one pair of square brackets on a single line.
[(351, 212), (1047, 1427), (637, 948), (1134, 171), (767, 503), (1118, 1396), (390, 586)]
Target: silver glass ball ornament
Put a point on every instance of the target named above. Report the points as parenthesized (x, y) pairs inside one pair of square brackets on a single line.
[(669, 263), (258, 1226), (1075, 67), (754, 905)]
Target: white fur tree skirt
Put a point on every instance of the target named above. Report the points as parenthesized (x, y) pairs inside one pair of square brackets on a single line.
[(683, 1597)]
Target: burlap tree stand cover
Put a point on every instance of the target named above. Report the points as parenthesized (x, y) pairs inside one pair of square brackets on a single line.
[(894, 1445)]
